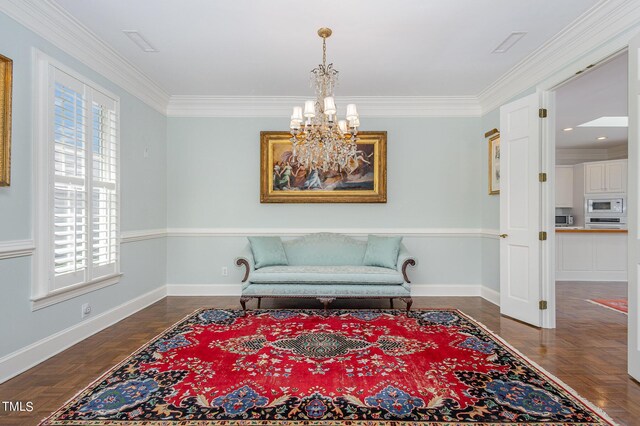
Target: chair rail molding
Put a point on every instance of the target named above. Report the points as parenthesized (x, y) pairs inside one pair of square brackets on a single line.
[(279, 106), (141, 235), (56, 25), (294, 232), (16, 248)]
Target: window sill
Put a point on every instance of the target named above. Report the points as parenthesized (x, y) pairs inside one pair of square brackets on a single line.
[(58, 296)]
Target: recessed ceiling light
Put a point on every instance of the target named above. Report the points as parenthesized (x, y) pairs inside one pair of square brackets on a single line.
[(568, 129), (601, 138), (607, 122), (508, 42), (142, 43)]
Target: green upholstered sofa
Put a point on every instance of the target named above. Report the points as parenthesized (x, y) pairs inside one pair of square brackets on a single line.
[(326, 266)]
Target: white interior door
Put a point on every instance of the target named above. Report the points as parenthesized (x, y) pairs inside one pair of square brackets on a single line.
[(520, 285), (633, 203)]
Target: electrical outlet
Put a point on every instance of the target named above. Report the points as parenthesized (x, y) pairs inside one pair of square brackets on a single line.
[(225, 271), (86, 310)]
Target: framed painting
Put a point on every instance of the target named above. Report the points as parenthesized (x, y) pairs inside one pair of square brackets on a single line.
[(494, 164), (284, 180), (6, 75)]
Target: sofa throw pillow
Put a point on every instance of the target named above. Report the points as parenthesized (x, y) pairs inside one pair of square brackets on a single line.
[(382, 251), (268, 251)]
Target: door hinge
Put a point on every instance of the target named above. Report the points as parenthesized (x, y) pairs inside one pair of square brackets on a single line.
[(542, 177), (542, 236), (542, 304), (542, 113)]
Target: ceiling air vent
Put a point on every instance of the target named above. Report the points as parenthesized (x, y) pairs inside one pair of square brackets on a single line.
[(509, 42), (142, 43)]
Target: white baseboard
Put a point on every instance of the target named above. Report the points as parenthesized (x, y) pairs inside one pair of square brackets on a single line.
[(204, 289), (619, 276), (451, 290), (445, 290), (490, 295), (21, 360)]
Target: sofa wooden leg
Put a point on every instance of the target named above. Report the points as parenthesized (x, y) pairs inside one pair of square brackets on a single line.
[(408, 301), (259, 300), (243, 303), (391, 302), (325, 301)]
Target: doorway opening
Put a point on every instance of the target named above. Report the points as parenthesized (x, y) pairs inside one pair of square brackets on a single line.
[(591, 152)]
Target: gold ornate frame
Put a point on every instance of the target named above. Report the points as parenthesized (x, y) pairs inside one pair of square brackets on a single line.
[(493, 141), (377, 195), (6, 76)]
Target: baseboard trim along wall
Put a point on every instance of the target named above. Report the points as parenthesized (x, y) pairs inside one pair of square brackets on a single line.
[(450, 290), (23, 359)]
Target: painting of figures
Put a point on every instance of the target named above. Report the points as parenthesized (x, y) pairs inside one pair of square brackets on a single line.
[(287, 179)]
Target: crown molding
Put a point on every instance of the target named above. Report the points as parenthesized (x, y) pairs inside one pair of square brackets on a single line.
[(607, 21), (280, 106), (54, 24)]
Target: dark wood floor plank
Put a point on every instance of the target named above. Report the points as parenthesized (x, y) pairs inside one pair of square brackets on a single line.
[(587, 351)]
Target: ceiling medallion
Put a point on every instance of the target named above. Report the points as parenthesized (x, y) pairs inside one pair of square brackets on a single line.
[(318, 140)]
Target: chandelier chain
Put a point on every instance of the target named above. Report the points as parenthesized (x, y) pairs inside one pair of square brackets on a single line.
[(324, 51)]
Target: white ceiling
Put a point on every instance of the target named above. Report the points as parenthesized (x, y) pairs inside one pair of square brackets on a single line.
[(382, 48), (601, 92)]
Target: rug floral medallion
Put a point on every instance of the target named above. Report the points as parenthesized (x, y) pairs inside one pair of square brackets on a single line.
[(308, 367)]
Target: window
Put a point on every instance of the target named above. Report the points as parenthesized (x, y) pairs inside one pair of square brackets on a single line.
[(77, 205)]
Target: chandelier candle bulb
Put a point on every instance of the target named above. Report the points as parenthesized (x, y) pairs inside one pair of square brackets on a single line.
[(297, 114), (352, 112), (329, 106), (310, 109)]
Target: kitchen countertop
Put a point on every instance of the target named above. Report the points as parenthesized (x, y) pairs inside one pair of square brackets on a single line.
[(601, 231)]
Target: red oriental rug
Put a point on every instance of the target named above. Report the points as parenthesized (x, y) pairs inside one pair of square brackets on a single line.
[(619, 305), (309, 367)]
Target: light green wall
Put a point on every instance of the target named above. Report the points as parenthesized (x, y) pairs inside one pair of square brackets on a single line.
[(143, 185), (433, 182), (433, 167)]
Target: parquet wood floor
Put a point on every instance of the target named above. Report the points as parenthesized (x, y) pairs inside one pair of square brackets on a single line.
[(587, 350)]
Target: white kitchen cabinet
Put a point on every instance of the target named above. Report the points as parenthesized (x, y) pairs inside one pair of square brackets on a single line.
[(616, 176), (591, 256), (564, 186), (605, 176)]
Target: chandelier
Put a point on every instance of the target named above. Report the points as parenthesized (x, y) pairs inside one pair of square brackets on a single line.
[(318, 140)]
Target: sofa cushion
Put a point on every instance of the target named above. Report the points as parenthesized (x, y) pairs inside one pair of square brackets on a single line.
[(267, 251), (326, 275), (382, 251), (325, 249)]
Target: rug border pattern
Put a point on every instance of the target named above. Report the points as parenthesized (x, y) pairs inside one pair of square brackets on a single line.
[(50, 421)]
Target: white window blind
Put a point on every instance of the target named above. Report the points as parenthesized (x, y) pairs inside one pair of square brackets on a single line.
[(85, 182)]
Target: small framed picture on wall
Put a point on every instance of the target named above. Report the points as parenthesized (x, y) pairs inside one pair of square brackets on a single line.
[(6, 74), (494, 164)]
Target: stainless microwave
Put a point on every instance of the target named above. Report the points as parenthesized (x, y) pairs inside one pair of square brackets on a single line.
[(564, 220), (605, 205)]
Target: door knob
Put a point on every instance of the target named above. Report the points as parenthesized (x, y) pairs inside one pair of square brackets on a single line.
[(503, 235)]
